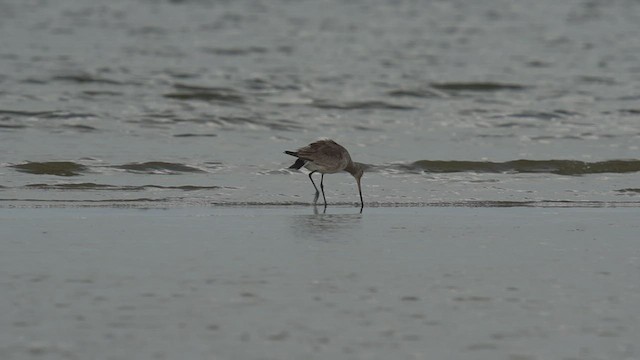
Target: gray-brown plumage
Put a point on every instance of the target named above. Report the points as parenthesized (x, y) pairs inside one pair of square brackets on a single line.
[(327, 157)]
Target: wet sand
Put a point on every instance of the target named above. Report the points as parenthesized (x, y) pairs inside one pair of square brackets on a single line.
[(285, 283)]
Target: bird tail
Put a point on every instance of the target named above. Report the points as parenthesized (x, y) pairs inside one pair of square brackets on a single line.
[(298, 164)]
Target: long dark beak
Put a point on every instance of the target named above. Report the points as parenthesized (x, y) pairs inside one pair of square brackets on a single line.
[(360, 192)]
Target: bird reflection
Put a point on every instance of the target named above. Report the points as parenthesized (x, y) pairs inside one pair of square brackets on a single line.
[(326, 227)]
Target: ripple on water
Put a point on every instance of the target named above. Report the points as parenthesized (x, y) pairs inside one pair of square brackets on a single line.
[(59, 168), (478, 86), (158, 167), (101, 187), (204, 93), (44, 114), (559, 167), (359, 105)]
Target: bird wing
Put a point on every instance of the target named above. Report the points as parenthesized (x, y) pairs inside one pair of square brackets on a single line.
[(325, 153)]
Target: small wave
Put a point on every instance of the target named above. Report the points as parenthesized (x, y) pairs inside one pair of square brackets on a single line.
[(45, 114), (206, 96), (85, 79), (80, 128), (445, 204), (538, 115), (12, 126), (101, 187), (59, 168), (629, 190), (137, 203), (204, 93), (235, 51), (76, 186), (478, 86), (417, 93), (158, 167), (559, 167), (272, 84), (22, 113), (590, 79), (98, 93), (241, 121), (195, 135), (359, 105), (190, 187), (180, 201), (632, 112)]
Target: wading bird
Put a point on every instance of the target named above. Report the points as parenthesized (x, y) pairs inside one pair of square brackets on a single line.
[(327, 157)]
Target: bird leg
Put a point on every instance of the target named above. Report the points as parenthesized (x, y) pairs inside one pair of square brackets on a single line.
[(322, 188), (315, 199)]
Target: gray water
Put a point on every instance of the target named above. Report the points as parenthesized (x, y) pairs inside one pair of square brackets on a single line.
[(182, 103), (283, 283), (502, 188)]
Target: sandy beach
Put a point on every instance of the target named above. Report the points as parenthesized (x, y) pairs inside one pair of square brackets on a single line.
[(287, 283)]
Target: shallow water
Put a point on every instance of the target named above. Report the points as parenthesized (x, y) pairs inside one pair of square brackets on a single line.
[(502, 143), (287, 283), (182, 103)]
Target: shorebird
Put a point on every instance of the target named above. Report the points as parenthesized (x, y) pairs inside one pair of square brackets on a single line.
[(327, 157)]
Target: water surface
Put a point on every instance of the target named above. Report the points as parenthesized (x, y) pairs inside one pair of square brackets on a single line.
[(287, 283), (183, 103)]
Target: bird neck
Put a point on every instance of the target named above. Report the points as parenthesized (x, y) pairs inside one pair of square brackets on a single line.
[(353, 168)]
